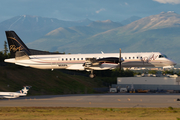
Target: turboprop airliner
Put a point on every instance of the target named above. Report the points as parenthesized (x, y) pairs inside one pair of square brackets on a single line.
[(19, 93), (22, 55)]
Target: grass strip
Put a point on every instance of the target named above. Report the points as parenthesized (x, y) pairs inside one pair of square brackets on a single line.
[(76, 113)]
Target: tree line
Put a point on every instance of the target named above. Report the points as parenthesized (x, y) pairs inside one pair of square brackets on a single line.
[(4, 54)]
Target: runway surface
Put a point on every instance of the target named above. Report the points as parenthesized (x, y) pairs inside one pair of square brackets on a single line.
[(115, 100)]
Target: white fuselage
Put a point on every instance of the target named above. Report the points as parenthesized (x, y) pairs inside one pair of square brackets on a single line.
[(76, 61), (11, 94)]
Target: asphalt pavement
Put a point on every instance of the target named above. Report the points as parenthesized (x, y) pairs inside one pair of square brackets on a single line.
[(113, 100)]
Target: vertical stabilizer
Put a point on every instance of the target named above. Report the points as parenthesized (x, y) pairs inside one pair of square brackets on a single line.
[(15, 43), (24, 91)]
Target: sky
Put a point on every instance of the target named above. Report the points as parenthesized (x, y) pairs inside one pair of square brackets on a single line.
[(73, 10)]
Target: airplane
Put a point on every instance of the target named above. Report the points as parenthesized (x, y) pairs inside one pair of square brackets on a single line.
[(22, 55), (19, 93)]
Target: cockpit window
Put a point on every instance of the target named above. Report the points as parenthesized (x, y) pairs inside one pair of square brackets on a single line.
[(162, 56), (165, 56)]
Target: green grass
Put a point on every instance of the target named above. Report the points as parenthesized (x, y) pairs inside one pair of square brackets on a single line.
[(47, 82), (65, 113), (44, 82)]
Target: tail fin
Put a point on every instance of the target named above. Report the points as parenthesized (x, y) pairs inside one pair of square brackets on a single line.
[(15, 43), (25, 89)]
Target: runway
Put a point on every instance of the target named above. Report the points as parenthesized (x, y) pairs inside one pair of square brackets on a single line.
[(115, 100)]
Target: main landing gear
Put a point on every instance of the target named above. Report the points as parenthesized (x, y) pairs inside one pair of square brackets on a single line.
[(92, 75)]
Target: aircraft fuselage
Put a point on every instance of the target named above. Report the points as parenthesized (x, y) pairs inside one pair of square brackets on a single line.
[(76, 61)]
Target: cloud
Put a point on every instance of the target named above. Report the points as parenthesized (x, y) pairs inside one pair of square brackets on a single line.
[(168, 1), (56, 12), (126, 3), (102, 9)]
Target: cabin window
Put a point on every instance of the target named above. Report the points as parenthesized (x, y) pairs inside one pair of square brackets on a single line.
[(77, 58), (137, 57), (81, 58), (62, 59), (133, 57), (129, 57), (69, 58), (141, 57), (74, 58), (66, 59), (125, 57)]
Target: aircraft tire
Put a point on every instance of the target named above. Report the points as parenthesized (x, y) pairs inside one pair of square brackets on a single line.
[(92, 75)]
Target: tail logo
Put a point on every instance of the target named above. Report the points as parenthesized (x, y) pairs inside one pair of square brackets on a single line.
[(24, 90), (14, 48)]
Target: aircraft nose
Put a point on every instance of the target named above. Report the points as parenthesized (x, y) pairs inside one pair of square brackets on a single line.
[(173, 63)]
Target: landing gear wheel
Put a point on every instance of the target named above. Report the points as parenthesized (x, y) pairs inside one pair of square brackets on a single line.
[(92, 75)]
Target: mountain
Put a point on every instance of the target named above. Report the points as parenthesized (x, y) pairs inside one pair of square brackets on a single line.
[(59, 38), (106, 25), (130, 20), (80, 23), (154, 33), (31, 28), (162, 20)]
